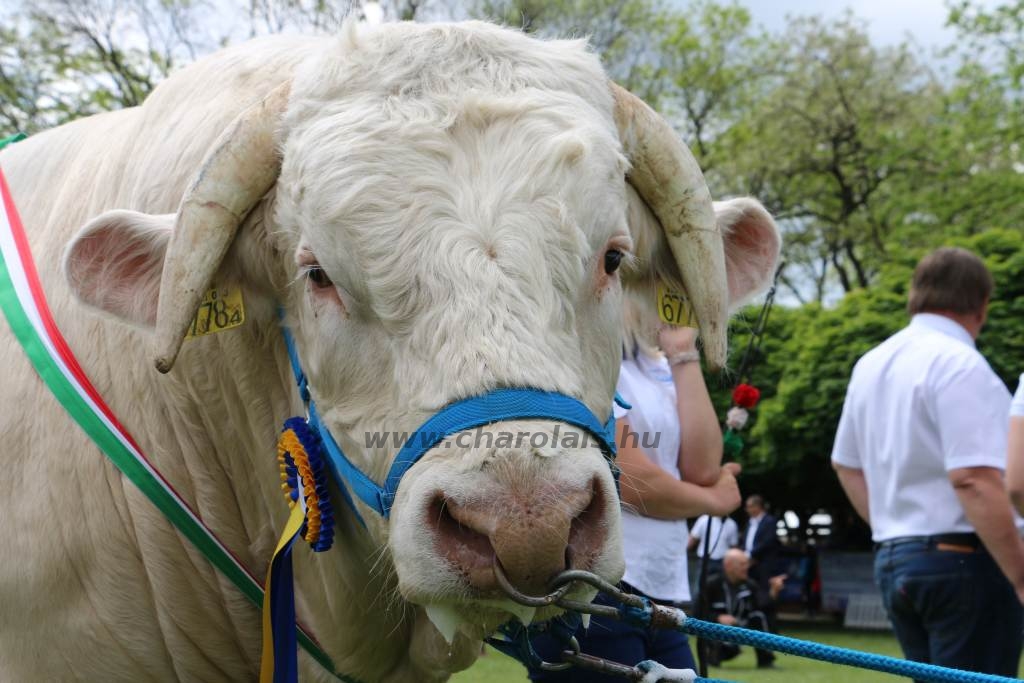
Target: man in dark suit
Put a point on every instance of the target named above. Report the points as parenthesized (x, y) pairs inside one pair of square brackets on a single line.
[(760, 540), (762, 545)]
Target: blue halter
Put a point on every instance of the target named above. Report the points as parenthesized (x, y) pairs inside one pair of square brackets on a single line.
[(495, 406)]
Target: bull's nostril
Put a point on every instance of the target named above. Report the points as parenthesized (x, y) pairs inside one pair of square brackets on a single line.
[(587, 531), (468, 550)]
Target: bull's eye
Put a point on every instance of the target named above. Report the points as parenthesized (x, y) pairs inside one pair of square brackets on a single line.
[(612, 259), (318, 277)]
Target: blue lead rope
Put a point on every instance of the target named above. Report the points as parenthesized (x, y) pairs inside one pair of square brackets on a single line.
[(835, 655)]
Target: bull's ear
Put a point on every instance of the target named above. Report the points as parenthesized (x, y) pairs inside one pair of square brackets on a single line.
[(752, 245), (751, 240), (115, 263)]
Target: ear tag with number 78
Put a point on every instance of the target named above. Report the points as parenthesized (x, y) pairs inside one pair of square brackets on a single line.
[(221, 309), (674, 309)]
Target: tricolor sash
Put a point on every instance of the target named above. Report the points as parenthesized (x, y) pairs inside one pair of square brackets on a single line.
[(24, 305)]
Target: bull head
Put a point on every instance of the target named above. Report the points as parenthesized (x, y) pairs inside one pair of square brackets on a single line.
[(244, 164)]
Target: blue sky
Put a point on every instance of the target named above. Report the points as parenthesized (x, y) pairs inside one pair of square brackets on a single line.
[(889, 21)]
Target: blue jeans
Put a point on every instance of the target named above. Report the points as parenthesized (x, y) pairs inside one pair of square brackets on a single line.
[(950, 608), (618, 642)]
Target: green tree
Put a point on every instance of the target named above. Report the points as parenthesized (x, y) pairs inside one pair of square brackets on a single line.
[(618, 30), (62, 59), (826, 146), (979, 136), (29, 65), (697, 65), (997, 31), (706, 73)]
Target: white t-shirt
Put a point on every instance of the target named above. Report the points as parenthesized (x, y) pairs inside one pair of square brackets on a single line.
[(655, 549), (1017, 404), (722, 537), (918, 405)]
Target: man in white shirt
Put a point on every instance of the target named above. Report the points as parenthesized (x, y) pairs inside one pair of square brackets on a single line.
[(920, 451), (1015, 448), (724, 535)]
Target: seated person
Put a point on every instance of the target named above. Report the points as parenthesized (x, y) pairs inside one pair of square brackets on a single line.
[(732, 599)]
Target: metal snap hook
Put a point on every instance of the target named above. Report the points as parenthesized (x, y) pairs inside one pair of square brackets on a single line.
[(574, 652)]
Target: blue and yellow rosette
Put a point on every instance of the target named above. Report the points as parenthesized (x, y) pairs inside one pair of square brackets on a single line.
[(304, 483)]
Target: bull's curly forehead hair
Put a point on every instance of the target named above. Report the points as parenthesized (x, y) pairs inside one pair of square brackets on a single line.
[(950, 280)]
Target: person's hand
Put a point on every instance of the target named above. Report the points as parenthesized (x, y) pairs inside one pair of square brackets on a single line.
[(725, 493), (673, 340), (727, 619), (775, 586)]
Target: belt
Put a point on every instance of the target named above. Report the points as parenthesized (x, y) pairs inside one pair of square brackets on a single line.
[(968, 540)]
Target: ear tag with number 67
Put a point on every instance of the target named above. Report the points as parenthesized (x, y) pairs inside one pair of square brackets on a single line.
[(221, 309), (674, 309)]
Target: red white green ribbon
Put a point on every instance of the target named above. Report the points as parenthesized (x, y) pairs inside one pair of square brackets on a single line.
[(24, 304)]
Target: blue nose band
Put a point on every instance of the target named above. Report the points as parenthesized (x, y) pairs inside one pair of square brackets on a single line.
[(477, 411)]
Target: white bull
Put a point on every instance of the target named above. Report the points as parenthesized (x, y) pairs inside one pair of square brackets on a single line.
[(437, 208)]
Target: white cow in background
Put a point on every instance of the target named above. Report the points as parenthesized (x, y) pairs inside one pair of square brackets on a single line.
[(434, 207)]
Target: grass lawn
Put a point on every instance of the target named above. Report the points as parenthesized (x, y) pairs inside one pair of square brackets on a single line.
[(497, 668)]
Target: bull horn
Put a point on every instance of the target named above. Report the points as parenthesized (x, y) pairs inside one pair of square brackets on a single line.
[(241, 168), (670, 181)]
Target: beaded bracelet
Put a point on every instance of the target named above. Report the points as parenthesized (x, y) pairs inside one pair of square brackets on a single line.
[(692, 356)]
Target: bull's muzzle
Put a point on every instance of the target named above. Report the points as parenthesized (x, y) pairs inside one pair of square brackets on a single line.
[(533, 537)]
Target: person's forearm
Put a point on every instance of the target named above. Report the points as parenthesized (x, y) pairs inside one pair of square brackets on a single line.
[(987, 506), (1015, 463), (856, 488), (652, 492), (700, 443)]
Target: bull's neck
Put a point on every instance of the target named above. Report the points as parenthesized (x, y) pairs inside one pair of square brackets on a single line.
[(240, 389)]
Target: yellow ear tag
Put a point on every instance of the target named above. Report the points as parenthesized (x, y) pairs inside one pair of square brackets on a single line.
[(674, 309), (221, 309)]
